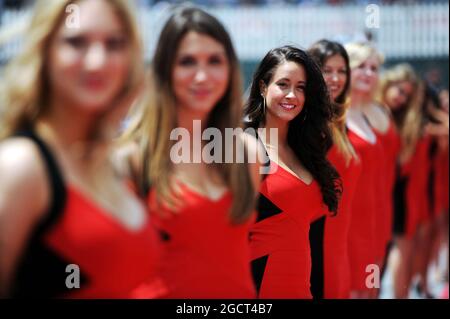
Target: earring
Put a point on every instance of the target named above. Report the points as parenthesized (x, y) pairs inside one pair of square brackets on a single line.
[(306, 114), (264, 104)]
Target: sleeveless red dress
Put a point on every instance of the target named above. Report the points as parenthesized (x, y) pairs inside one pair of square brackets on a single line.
[(78, 242), (204, 256), (362, 233), (279, 240), (336, 256), (415, 173), (438, 181), (441, 165), (391, 145), (115, 262)]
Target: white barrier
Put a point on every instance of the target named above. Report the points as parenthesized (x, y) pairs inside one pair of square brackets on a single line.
[(411, 31)]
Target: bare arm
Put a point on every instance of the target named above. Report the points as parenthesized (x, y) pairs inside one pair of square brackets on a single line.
[(24, 196), (256, 156)]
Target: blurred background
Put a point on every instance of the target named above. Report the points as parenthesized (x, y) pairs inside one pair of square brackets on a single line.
[(414, 31)]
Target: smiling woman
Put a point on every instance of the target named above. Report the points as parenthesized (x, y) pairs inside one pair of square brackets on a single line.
[(200, 75), (203, 211), (334, 62), (63, 96), (288, 93), (368, 130)]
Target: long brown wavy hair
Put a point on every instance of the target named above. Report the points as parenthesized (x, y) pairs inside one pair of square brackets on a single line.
[(153, 121)]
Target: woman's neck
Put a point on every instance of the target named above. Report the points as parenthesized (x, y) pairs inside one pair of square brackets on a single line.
[(281, 127), (190, 120), (69, 129), (360, 100), (194, 123)]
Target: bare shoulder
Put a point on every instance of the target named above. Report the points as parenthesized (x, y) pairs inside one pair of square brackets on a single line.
[(382, 110), (254, 147), (22, 174), (127, 159), (256, 155), (19, 158), (24, 198)]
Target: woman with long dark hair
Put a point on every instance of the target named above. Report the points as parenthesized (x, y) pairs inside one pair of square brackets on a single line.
[(288, 94), (334, 62)]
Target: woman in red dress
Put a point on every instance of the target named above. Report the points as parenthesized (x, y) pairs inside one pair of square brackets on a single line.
[(76, 231), (365, 229), (202, 203), (427, 155), (392, 143), (400, 91), (289, 96), (439, 127), (334, 62)]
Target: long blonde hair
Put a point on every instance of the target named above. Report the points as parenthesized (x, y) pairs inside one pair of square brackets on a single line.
[(409, 118), (24, 86), (338, 131), (153, 121)]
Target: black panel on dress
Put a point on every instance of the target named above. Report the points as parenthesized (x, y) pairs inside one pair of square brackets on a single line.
[(316, 240), (258, 268), (399, 196), (266, 208), (41, 273)]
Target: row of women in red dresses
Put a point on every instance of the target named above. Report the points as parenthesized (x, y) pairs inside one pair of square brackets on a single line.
[(289, 247)]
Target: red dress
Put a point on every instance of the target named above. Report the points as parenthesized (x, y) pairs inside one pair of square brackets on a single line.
[(280, 246), (204, 255), (362, 233), (116, 262), (391, 145), (336, 259), (445, 181), (112, 261), (442, 182), (414, 173), (441, 175)]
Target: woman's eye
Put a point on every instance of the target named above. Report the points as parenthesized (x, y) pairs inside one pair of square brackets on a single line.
[(215, 61), (76, 42), (187, 61), (114, 44), (301, 88), (282, 84)]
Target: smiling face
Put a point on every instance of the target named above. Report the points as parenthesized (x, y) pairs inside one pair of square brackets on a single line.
[(335, 75), (201, 73), (89, 65), (285, 94), (398, 94), (365, 75)]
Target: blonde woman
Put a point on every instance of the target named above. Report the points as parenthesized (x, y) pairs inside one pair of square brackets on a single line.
[(401, 92), (203, 210), (365, 236), (69, 226)]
